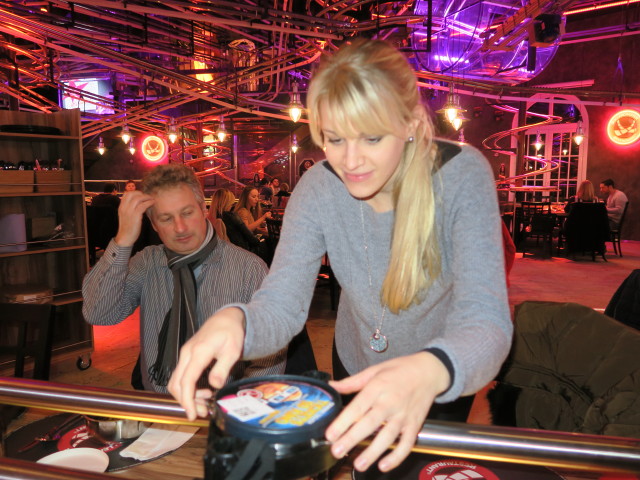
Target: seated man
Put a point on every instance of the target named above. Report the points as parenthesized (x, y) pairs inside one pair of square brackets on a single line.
[(108, 197), (616, 201), (179, 284)]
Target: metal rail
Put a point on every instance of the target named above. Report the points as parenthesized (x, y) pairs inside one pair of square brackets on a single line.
[(514, 445)]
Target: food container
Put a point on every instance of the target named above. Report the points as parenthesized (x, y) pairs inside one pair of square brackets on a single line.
[(16, 181), (277, 422), (114, 429), (53, 180)]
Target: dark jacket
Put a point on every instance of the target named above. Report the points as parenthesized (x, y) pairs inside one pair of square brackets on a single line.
[(238, 232), (624, 306), (570, 369)]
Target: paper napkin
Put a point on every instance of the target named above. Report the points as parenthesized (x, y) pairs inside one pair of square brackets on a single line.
[(157, 440)]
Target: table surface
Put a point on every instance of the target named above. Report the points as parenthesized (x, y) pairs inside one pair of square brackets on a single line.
[(186, 463)]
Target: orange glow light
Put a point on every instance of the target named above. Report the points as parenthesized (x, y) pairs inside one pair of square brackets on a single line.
[(624, 127)]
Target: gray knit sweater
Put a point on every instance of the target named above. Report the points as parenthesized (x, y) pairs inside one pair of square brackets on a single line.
[(465, 313)]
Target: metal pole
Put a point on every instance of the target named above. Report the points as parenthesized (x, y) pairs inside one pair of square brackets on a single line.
[(144, 406), (502, 444)]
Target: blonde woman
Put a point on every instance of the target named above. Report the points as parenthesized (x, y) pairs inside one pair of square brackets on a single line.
[(412, 228), (250, 210), (586, 193)]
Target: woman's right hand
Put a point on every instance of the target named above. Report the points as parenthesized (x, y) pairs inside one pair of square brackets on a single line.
[(221, 338), (266, 215)]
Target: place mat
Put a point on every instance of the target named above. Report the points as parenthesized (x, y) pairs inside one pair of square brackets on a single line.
[(74, 436), (419, 466)]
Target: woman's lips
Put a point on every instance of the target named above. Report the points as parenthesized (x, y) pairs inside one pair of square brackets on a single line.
[(357, 177)]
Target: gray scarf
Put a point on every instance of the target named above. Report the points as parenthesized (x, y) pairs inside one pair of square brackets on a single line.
[(181, 321)]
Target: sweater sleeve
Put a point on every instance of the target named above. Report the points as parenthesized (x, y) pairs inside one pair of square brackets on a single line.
[(478, 329), (280, 308), (112, 288)]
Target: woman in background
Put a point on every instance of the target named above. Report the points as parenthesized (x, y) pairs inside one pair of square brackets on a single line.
[(250, 210), (130, 186), (586, 194)]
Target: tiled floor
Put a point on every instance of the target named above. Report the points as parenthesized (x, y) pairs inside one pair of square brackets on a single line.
[(532, 278)]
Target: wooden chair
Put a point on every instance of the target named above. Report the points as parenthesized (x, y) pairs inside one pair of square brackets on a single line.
[(539, 223), (32, 324), (615, 233), (587, 229)]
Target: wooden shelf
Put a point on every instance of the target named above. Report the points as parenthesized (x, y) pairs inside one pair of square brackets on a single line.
[(50, 265)]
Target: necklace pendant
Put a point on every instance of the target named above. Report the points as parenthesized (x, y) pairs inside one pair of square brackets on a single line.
[(378, 342)]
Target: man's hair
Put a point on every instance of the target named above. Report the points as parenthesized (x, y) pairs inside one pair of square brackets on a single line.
[(608, 183), (109, 188), (169, 176)]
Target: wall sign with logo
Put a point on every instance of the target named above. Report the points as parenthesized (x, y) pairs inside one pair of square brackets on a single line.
[(624, 127), (154, 148)]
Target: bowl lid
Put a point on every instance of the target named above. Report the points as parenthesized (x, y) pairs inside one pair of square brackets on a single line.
[(277, 409)]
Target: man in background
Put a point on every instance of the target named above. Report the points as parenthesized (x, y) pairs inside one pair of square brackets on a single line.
[(108, 197), (178, 284), (616, 201)]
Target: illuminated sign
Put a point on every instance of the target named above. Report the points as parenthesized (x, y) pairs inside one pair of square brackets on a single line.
[(154, 149), (623, 127)]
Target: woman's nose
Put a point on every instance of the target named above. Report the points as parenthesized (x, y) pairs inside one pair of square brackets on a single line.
[(352, 157)]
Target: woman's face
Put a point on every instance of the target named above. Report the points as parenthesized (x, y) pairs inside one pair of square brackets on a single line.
[(365, 163), (253, 198), (130, 187)]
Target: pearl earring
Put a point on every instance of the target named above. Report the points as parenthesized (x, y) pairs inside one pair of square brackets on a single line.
[(410, 140)]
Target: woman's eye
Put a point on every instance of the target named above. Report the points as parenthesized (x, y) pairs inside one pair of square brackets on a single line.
[(334, 141), (373, 140)]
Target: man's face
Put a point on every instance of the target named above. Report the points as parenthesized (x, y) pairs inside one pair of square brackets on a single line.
[(605, 189), (276, 182), (179, 219)]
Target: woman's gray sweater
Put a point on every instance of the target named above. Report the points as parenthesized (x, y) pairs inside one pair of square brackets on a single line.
[(465, 313)]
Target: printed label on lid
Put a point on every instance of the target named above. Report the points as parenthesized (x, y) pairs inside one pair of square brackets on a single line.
[(278, 405)]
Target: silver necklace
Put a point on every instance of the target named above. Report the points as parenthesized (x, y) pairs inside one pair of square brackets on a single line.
[(378, 341)]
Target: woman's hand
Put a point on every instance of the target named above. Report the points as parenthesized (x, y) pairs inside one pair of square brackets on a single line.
[(394, 399), (266, 215), (130, 212), (221, 338)]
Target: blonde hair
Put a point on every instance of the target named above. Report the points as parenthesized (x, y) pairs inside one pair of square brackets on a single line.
[(221, 201), (243, 202), (370, 87), (586, 192)]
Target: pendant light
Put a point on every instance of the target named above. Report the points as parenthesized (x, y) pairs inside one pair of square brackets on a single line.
[(171, 132), (132, 149), (295, 105), (294, 144), (451, 108), (126, 135), (101, 148), (579, 136), (222, 131), (538, 144)]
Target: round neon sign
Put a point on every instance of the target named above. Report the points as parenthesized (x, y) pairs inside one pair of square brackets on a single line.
[(153, 148), (624, 127)]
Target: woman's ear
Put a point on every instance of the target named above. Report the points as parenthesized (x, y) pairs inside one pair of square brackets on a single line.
[(417, 122)]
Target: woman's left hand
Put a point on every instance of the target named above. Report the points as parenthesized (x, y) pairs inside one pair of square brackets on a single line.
[(393, 401)]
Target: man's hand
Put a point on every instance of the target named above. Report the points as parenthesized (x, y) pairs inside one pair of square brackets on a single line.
[(395, 397), (221, 338), (132, 208)]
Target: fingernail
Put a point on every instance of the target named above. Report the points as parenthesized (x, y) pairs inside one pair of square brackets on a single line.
[(338, 451), (360, 464)]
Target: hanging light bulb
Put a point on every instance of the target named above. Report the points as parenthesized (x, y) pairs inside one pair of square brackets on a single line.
[(294, 144), (101, 148), (458, 121), (126, 135), (132, 149), (295, 105), (451, 108), (538, 144), (461, 138), (171, 132), (579, 136), (222, 131)]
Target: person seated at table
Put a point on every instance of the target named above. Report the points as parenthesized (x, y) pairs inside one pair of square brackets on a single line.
[(283, 196), (221, 208), (585, 194), (412, 227), (177, 284), (616, 201), (250, 210), (130, 186), (108, 197)]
